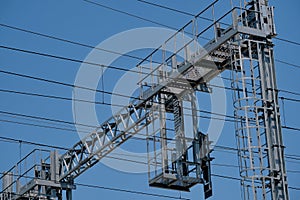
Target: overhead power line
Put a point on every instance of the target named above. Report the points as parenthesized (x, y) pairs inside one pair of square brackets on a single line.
[(70, 41), (42, 126), (182, 12), (290, 156), (129, 14), (208, 19), (46, 119), (137, 162), (217, 147), (288, 41), (287, 63), (129, 191), (58, 97), (290, 99), (167, 8), (112, 189), (291, 128), (117, 105), (74, 86), (85, 62), (69, 59), (289, 92), (66, 84)]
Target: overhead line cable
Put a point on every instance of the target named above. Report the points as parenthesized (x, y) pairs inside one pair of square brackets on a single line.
[(167, 8), (66, 84), (288, 41), (291, 128), (46, 119), (181, 11), (129, 191), (58, 97), (70, 41), (289, 92), (110, 188), (287, 63), (59, 128), (103, 91), (129, 14), (148, 20), (289, 99), (70, 59), (64, 148), (42, 126), (95, 102), (205, 18)]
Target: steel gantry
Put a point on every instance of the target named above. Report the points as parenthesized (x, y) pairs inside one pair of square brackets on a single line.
[(178, 153)]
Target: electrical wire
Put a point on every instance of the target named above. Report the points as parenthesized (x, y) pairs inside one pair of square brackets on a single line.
[(208, 19), (107, 188), (129, 191), (103, 91), (70, 41), (218, 147), (289, 92), (290, 99), (189, 14), (167, 8), (102, 103), (46, 119), (63, 148), (70, 59), (118, 105), (134, 161), (180, 11), (287, 63), (291, 128), (86, 88), (66, 84), (129, 14), (288, 41), (90, 63)]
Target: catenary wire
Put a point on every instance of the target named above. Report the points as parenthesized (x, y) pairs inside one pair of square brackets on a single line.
[(95, 102), (111, 189), (216, 175), (288, 41), (70, 41), (167, 8), (192, 15), (6, 139), (290, 156), (107, 92), (103, 103), (129, 14), (287, 63), (290, 99), (92, 64)]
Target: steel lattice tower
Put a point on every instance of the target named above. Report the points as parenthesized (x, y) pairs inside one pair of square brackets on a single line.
[(258, 127)]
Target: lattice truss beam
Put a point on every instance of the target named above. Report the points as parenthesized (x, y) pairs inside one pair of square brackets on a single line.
[(112, 133)]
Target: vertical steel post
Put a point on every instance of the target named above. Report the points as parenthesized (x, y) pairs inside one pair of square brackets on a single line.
[(258, 126)]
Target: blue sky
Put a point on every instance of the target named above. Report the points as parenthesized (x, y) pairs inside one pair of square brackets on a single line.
[(89, 24)]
